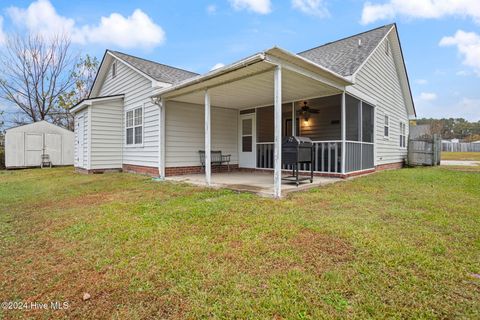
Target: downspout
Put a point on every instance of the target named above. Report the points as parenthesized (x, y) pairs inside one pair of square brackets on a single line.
[(161, 117)]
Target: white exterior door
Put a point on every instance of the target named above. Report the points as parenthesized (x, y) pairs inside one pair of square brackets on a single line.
[(53, 147), (33, 149), (80, 142), (247, 137)]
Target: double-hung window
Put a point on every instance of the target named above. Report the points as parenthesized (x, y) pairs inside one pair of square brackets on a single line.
[(386, 127), (134, 126), (403, 135)]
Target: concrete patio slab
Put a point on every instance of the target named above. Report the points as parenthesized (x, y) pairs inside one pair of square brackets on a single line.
[(260, 183)]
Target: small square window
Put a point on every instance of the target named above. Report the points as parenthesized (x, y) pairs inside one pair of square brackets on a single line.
[(386, 128)]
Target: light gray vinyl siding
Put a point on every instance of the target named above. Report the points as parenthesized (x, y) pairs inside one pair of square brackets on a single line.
[(81, 118), (137, 90), (379, 80), (107, 135), (185, 133)]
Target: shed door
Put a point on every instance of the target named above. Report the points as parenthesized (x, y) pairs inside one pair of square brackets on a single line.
[(33, 149), (53, 147)]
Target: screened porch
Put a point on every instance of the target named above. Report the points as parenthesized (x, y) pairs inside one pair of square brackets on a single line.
[(320, 120)]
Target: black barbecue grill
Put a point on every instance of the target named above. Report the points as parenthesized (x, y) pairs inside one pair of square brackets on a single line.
[(296, 151)]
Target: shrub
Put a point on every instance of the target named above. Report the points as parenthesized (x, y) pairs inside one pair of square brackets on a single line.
[(2, 158)]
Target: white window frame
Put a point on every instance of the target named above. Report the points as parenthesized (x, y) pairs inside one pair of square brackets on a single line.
[(386, 124), (403, 133), (114, 69), (133, 126)]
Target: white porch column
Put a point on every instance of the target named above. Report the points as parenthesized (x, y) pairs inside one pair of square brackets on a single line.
[(294, 120), (277, 180), (161, 132), (208, 165), (344, 131)]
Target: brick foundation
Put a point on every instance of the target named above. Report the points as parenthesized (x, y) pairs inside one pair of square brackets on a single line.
[(148, 171), (180, 171), (390, 166)]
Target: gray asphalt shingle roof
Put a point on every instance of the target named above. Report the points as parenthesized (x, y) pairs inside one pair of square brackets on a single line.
[(345, 56), (157, 71)]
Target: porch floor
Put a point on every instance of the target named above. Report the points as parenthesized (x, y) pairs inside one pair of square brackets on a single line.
[(260, 183)]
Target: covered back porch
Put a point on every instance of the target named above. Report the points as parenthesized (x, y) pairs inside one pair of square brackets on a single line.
[(277, 94)]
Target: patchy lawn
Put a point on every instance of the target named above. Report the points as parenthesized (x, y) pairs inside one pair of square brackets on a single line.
[(470, 156), (396, 244)]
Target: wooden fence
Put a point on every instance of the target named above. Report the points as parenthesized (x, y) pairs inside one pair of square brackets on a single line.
[(460, 147), (424, 151)]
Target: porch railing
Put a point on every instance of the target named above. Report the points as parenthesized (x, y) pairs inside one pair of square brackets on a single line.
[(327, 156), (359, 156)]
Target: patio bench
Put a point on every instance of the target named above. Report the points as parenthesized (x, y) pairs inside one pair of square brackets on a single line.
[(216, 158)]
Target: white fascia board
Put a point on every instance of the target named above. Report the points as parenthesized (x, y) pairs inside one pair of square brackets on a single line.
[(88, 102), (212, 74), (130, 66), (309, 62), (307, 73), (81, 106)]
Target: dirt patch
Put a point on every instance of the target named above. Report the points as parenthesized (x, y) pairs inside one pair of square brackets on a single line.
[(321, 252)]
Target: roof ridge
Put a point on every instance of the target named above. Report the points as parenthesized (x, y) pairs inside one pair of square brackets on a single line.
[(345, 38), (162, 64)]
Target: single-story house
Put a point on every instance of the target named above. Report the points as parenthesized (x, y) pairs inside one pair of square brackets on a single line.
[(25, 145), (351, 97)]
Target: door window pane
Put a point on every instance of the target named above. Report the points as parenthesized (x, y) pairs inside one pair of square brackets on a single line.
[(247, 144), (247, 126)]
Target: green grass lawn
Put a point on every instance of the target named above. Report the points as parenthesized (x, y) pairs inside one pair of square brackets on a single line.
[(396, 244), (473, 156)]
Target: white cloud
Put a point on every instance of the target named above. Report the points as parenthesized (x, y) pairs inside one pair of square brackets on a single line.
[(421, 81), (3, 36), (312, 7), (42, 18), (211, 9), (468, 45), (217, 66), (428, 96), (257, 6), (136, 30), (462, 73), (427, 9)]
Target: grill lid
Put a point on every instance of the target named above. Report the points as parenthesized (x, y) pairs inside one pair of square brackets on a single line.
[(295, 140)]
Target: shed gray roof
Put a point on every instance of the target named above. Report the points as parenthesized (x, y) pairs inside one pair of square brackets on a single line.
[(157, 71), (345, 56)]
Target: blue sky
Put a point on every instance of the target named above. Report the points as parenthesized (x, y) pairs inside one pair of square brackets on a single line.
[(440, 38)]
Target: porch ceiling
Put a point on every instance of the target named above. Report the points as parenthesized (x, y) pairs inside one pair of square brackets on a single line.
[(253, 86)]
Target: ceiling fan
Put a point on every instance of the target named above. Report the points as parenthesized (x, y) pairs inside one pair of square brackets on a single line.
[(305, 111)]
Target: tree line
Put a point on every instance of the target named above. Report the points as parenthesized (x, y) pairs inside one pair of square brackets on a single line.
[(453, 128), (41, 78)]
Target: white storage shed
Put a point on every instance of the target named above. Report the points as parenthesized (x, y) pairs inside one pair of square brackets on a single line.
[(25, 145)]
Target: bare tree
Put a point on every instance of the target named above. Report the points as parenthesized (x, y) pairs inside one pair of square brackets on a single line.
[(84, 76), (35, 72)]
